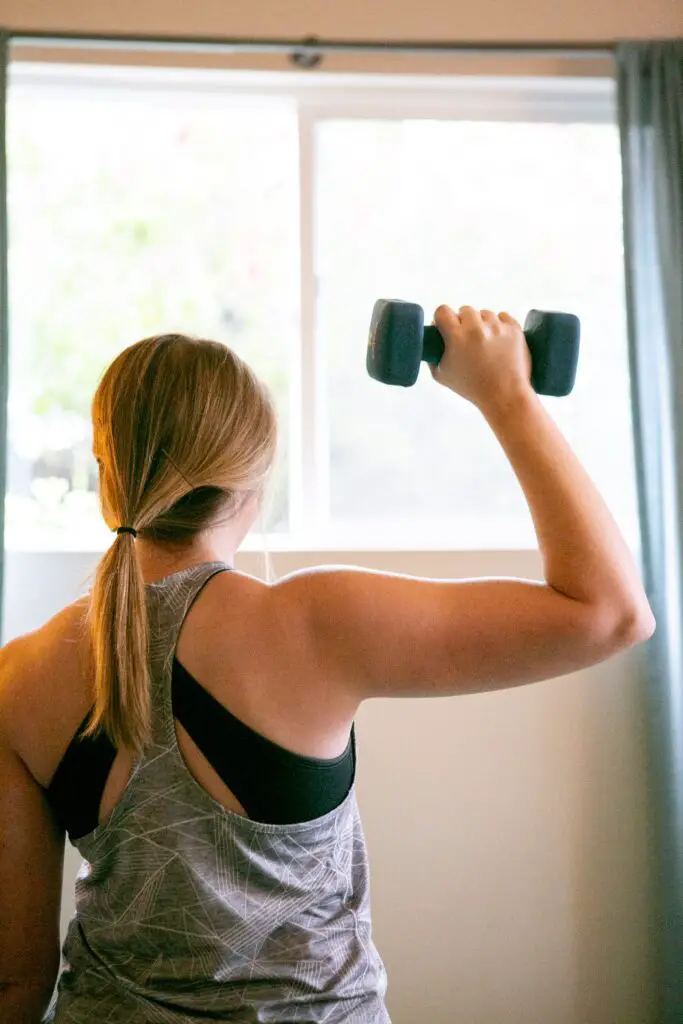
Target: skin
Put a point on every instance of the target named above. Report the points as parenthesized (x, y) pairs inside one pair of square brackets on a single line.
[(219, 544)]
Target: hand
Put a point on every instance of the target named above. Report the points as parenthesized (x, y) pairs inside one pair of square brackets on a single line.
[(486, 358)]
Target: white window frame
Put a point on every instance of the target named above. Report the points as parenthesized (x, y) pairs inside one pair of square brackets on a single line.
[(319, 97)]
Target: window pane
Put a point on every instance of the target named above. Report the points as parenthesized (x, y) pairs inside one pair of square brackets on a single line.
[(507, 216), (135, 212)]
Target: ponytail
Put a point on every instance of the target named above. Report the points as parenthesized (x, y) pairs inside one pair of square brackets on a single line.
[(182, 431), (119, 629)]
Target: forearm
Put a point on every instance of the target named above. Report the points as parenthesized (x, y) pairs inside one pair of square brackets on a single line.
[(584, 553)]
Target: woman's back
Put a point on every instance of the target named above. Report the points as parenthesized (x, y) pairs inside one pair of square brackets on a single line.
[(238, 640), (184, 907)]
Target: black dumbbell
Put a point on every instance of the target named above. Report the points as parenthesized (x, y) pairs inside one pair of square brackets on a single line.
[(399, 342)]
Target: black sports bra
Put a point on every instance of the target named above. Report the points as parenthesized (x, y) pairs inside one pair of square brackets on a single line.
[(272, 784)]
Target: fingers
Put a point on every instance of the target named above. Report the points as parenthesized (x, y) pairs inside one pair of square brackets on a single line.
[(446, 317), (470, 317)]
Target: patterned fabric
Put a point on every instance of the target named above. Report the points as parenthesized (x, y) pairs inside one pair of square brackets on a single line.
[(188, 912)]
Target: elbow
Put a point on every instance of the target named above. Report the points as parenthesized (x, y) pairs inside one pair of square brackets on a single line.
[(633, 628), (609, 629), (24, 1002), (643, 626), (27, 997)]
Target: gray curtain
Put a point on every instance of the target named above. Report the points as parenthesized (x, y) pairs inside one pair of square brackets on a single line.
[(650, 93)]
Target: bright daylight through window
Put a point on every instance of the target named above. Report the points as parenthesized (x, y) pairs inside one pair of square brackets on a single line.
[(140, 204)]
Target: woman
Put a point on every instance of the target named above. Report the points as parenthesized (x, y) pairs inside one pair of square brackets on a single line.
[(191, 727)]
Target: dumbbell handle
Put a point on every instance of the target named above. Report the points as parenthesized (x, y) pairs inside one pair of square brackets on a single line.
[(432, 346), (552, 372)]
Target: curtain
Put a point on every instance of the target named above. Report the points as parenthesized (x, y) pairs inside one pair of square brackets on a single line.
[(650, 99)]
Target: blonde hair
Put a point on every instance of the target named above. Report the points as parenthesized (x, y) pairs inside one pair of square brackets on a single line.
[(183, 432)]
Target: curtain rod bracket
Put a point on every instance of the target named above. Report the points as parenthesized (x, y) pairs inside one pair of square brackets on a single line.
[(307, 58)]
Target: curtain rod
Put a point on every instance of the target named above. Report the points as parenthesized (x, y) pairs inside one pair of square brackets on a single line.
[(305, 52)]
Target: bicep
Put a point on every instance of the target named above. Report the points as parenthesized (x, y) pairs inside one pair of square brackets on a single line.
[(31, 864), (401, 636)]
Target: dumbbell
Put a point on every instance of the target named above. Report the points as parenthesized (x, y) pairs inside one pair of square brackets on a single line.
[(399, 342)]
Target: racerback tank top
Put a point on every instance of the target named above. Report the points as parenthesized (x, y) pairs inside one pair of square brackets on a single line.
[(188, 912)]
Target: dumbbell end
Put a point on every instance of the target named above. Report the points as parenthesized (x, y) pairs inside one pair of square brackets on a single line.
[(553, 340), (395, 342)]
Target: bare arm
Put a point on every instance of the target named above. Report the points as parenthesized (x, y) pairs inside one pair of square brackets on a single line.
[(486, 361), (384, 635), (584, 553), (31, 862)]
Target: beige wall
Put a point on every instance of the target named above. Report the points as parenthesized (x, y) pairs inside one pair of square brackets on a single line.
[(429, 19), (508, 832)]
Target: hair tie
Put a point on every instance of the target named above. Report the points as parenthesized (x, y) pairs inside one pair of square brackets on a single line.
[(126, 529)]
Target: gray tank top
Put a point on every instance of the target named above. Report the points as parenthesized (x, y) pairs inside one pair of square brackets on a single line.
[(188, 912)]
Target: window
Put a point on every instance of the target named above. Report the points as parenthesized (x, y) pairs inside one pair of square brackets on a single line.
[(271, 214)]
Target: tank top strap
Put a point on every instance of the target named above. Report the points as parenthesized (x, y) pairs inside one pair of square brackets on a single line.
[(168, 602)]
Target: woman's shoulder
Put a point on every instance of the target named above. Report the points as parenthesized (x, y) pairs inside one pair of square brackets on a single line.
[(58, 640), (44, 680)]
